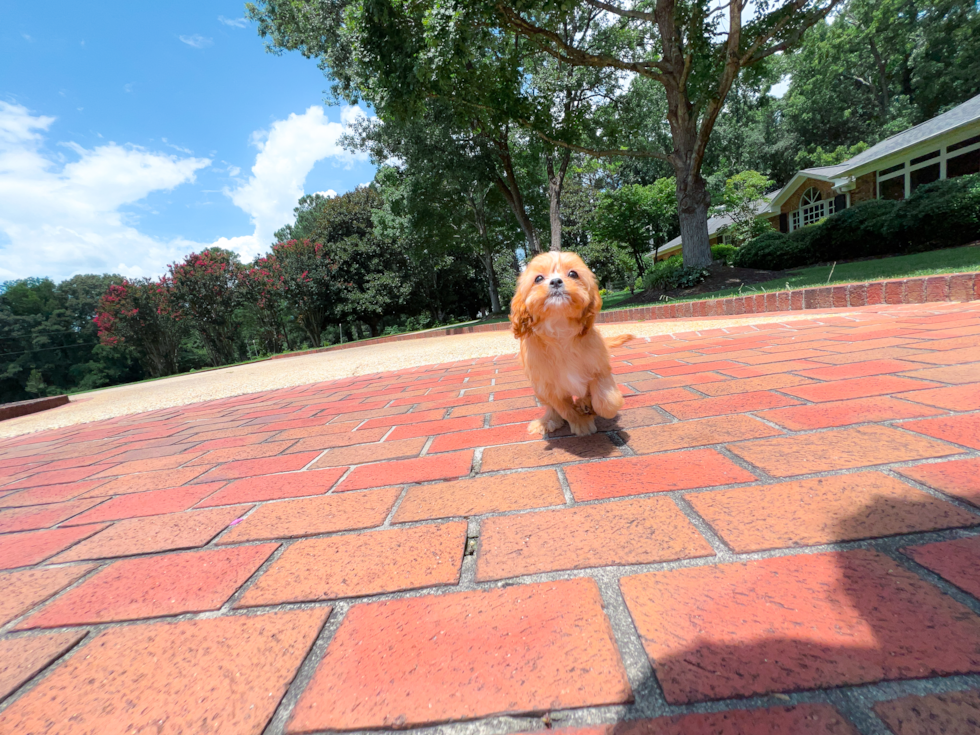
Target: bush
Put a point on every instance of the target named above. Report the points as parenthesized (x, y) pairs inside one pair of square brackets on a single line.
[(662, 273), (671, 273), (943, 214), (776, 251), (865, 230), (724, 253)]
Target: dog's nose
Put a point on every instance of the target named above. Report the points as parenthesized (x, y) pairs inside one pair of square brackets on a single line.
[(556, 282)]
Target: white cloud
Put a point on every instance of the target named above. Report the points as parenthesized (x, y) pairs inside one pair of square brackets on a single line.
[(233, 22), (196, 41), (60, 219), (27, 37), (329, 193), (287, 153)]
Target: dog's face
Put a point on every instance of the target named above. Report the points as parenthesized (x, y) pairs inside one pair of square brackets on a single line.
[(555, 286)]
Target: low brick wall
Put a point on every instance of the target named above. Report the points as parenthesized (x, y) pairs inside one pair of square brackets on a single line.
[(949, 287), (23, 408)]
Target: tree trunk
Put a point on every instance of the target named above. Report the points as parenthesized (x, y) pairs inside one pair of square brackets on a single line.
[(556, 182), (487, 257), (692, 209)]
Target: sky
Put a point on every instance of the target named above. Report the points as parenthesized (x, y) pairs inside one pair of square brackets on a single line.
[(132, 134)]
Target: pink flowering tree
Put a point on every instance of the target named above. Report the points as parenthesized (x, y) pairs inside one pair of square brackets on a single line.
[(307, 280), (262, 288), (142, 314), (206, 289)]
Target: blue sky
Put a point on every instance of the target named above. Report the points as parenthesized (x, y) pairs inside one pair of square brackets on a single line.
[(134, 133)]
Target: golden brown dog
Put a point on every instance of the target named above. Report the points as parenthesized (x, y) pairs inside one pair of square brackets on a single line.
[(566, 359)]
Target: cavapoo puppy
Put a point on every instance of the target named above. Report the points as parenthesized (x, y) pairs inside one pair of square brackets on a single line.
[(566, 359)]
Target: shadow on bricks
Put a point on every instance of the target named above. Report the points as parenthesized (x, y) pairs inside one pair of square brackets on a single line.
[(865, 633)]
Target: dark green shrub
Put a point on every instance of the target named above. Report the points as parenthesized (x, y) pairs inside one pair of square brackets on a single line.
[(776, 251), (661, 275), (724, 253), (690, 277), (865, 230), (943, 214)]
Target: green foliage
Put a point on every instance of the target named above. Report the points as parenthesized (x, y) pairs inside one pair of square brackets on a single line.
[(942, 214), (144, 316), (724, 253), (35, 383), (637, 218), (740, 200), (670, 273), (939, 215), (49, 328), (776, 251), (205, 293)]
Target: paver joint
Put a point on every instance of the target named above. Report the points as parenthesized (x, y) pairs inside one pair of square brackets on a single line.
[(780, 533)]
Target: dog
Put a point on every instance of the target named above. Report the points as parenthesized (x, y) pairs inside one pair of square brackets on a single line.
[(565, 358)]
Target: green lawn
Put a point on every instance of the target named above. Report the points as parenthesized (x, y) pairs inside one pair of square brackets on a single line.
[(953, 260)]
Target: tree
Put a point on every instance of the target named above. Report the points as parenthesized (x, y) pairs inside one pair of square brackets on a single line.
[(743, 193), (143, 315), (881, 66), (48, 327), (204, 288), (35, 383), (637, 218), (305, 277), (399, 53)]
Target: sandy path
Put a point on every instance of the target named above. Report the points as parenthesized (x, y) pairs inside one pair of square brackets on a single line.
[(316, 368)]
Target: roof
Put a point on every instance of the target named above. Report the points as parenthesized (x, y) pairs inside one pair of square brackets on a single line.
[(722, 220), (960, 115)]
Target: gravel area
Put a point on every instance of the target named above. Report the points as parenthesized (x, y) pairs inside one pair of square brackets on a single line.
[(315, 368)]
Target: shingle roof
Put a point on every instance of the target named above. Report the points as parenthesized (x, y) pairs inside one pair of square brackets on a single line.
[(719, 221), (960, 115)]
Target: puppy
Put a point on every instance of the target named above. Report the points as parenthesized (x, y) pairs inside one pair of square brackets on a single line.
[(566, 359)]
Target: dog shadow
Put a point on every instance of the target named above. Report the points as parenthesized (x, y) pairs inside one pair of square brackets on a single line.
[(767, 636)]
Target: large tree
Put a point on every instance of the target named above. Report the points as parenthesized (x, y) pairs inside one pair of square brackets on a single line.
[(399, 53)]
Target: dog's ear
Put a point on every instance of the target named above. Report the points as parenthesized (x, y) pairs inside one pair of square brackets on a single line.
[(520, 317), (592, 310)]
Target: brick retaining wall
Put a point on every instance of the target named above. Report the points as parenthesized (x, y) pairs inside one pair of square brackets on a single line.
[(948, 287)]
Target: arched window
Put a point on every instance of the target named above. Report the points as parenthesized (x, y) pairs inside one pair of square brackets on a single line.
[(813, 208)]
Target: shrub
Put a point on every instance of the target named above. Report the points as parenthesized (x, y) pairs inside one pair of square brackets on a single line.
[(724, 253), (776, 251), (671, 273), (661, 274), (865, 230), (943, 214)]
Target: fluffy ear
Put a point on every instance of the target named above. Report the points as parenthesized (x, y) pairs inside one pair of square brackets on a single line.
[(520, 317), (593, 308)]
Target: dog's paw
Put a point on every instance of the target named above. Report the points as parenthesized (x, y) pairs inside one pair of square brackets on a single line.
[(584, 428), (537, 427)]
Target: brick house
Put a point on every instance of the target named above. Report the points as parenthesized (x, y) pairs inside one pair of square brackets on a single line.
[(944, 147)]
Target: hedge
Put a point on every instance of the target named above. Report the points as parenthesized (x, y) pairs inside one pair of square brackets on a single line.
[(942, 214)]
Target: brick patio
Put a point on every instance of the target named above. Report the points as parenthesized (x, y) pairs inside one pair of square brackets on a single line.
[(779, 534)]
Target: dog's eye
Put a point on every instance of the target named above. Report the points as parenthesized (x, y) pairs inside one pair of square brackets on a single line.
[(539, 279), (572, 274)]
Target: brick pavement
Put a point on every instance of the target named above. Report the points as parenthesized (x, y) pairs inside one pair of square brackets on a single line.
[(780, 533)]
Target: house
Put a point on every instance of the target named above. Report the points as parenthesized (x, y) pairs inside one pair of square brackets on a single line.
[(944, 147)]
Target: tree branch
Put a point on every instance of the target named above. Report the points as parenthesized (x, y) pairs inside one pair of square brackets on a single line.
[(636, 14)]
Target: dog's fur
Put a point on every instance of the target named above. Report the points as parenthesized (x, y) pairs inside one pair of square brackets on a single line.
[(553, 313)]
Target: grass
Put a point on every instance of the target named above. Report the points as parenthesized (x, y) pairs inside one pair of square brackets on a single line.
[(953, 260)]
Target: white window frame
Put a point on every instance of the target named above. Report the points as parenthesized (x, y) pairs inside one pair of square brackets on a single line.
[(908, 168), (810, 210)]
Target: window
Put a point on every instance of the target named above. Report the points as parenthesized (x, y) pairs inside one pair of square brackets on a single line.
[(967, 163), (893, 188), (963, 144), (812, 207), (924, 175), (923, 159)]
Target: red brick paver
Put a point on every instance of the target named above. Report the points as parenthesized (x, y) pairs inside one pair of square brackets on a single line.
[(471, 654), (779, 507), (136, 678)]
